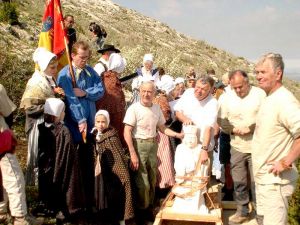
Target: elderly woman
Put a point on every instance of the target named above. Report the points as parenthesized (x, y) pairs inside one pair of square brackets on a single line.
[(114, 99), (145, 73), (41, 85), (179, 82)]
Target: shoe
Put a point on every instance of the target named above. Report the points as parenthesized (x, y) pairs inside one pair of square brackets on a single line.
[(5, 218), (238, 219), (27, 220)]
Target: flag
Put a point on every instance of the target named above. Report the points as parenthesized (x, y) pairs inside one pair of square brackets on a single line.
[(53, 33)]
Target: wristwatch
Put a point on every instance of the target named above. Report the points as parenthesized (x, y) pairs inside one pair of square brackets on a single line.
[(204, 148)]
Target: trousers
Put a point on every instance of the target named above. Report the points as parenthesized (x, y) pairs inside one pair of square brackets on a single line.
[(145, 177), (13, 185)]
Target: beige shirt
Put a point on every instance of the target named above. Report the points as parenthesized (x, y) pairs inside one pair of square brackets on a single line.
[(6, 105), (277, 126), (236, 112), (144, 120)]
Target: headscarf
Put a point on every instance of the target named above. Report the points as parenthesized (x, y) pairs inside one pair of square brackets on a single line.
[(148, 57), (54, 106), (179, 80), (116, 63), (42, 57), (104, 113), (166, 84)]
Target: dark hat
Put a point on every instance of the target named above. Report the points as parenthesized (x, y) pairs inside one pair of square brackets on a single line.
[(106, 48)]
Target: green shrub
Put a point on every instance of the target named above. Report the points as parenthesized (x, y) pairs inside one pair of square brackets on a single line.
[(8, 13), (294, 204)]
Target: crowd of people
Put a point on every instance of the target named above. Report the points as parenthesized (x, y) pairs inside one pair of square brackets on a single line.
[(90, 152)]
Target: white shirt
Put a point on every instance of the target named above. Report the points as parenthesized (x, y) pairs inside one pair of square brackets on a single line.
[(99, 68), (202, 113)]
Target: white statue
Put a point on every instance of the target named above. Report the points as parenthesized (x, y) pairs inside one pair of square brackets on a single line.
[(189, 188)]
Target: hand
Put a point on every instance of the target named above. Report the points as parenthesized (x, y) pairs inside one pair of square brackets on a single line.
[(241, 130), (187, 122), (82, 127), (134, 160), (180, 135), (78, 92), (278, 166), (59, 91), (203, 156)]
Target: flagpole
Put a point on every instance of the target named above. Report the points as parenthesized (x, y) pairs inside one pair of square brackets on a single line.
[(68, 56)]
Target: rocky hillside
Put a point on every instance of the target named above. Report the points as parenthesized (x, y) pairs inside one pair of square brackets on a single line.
[(132, 32)]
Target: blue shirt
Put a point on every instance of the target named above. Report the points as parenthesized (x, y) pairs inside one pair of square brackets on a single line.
[(80, 109)]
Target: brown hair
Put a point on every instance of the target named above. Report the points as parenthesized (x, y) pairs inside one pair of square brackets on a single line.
[(206, 79), (80, 45)]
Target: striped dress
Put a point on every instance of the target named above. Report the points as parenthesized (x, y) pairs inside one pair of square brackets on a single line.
[(165, 154)]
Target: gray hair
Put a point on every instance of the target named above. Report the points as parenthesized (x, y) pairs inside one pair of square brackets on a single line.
[(206, 79), (144, 83), (275, 58)]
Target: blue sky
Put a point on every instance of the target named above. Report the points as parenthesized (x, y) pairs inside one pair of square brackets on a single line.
[(244, 28)]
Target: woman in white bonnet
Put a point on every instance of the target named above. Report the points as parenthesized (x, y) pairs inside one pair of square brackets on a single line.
[(41, 85), (60, 179), (147, 72), (113, 99)]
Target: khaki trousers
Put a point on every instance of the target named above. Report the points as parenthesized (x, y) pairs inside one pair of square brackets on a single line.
[(272, 202), (145, 177)]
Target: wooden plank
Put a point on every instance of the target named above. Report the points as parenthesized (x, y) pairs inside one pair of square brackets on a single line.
[(158, 221), (215, 217)]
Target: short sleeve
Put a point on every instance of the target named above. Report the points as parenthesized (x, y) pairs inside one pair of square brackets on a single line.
[(130, 116), (289, 116)]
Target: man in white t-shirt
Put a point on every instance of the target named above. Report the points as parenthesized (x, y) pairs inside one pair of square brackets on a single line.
[(142, 120), (276, 143), (102, 64), (237, 117), (198, 106)]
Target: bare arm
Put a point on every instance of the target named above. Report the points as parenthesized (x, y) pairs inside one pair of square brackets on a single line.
[(134, 160), (286, 162), (167, 131), (205, 143), (182, 118)]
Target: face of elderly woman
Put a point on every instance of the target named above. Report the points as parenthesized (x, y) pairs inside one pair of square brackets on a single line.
[(148, 65), (51, 69)]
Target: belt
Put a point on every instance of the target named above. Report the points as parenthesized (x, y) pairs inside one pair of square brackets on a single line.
[(147, 139)]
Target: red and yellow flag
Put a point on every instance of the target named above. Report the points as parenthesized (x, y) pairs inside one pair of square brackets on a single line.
[(53, 34)]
